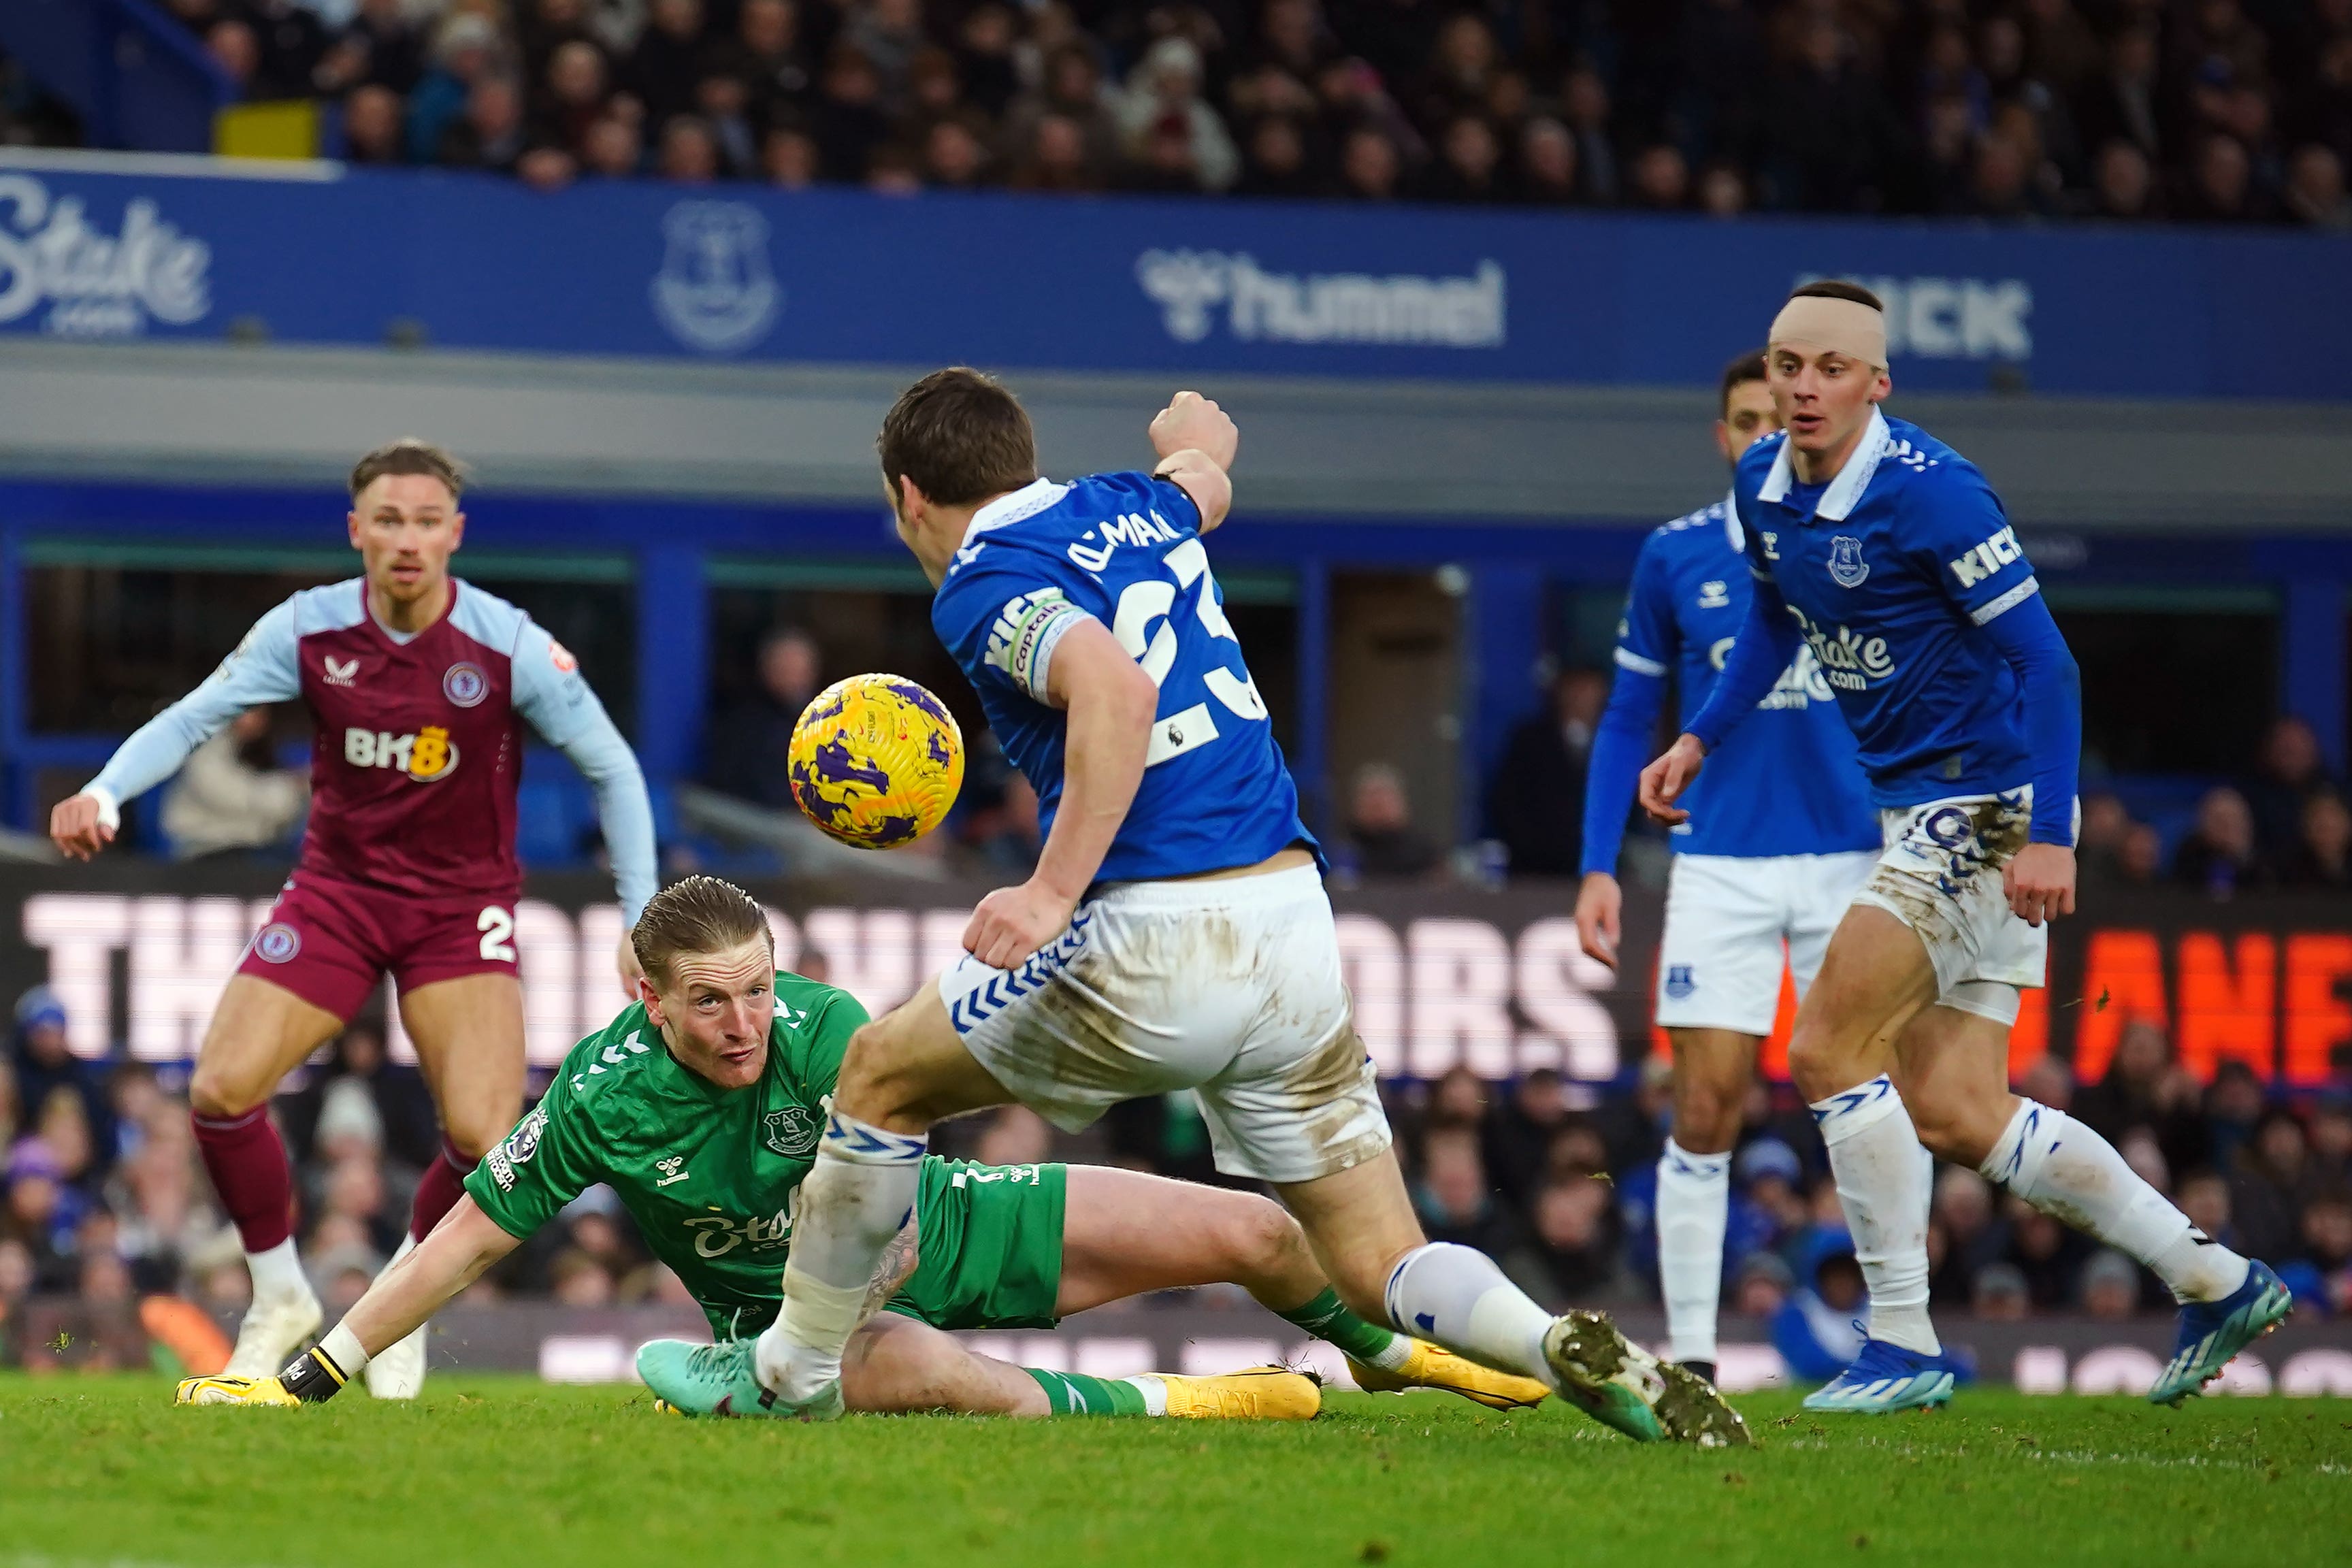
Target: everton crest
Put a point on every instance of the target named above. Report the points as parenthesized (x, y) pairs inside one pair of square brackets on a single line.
[(715, 292), (1847, 565), (790, 1131)]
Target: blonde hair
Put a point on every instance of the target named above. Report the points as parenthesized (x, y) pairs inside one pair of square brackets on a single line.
[(699, 914)]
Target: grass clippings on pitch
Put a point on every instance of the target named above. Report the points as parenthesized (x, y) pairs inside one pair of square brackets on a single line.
[(510, 1473)]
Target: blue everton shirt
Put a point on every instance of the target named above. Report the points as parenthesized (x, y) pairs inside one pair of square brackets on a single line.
[(1124, 550), (1784, 782), (1889, 571)]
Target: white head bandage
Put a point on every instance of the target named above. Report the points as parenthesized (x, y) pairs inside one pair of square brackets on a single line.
[(1845, 326)]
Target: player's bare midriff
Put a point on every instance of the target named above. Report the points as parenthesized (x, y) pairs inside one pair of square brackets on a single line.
[(1280, 860)]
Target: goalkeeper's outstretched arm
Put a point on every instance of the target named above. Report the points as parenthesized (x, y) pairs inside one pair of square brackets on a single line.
[(465, 1244)]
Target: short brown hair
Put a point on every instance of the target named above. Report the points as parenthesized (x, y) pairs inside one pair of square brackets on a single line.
[(1747, 367), (409, 455), (960, 436), (1838, 288), (699, 914)]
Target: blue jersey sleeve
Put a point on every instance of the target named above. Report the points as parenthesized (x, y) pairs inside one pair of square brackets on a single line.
[(1965, 542), (1648, 641), (1647, 638), (1003, 619)]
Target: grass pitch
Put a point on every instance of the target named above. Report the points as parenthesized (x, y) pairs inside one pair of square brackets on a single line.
[(105, 1473)]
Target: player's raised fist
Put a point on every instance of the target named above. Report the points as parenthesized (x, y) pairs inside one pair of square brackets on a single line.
[(1011, 923), (1193, 423), (1664, 781), (81, 826)]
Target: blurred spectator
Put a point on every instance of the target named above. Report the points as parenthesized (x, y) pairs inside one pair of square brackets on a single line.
[(1661, 179), (1584, 107), (1817, 1329), (2099, 842), (2049, 1081), (2218, 857), (2046, 1252), (849, 121), (2233, 1105), (380, 46), (43, 1066), (1548, 172), (2127, 187), (788, 158), (234, 48), (2288, 774), (231, 794), (1520, 1130), (2000, 1294), (1962, 1213), (573, 94), (1455, 1202), (1163, 100), (1759, 1288), (2315, 194), (689, 151), (1380, 841), (1276, 162), (372, 125), (1571, 1255), (2269, 1186), (376, 1104), (2110, 1286), (2323, 858), (1369, 165), (489, 133), (42, 1212), (1536, 806), (663, 67), (2219, 185), (750, 745), (465, 50), (1469, 164), (2145, 1089)]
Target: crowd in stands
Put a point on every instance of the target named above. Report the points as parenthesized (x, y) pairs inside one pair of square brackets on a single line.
[(2284, 827), (103, 1205), (2208, 111)]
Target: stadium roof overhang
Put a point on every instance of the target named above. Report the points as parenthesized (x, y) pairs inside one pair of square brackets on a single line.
[(1381, 452)]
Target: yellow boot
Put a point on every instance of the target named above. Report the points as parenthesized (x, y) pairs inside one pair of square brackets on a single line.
[(1259, 1394), (1433, 1367)]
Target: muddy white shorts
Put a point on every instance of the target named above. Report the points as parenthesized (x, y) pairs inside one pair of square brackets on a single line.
[(1231, 986), (1940, 875), (1728, 918)]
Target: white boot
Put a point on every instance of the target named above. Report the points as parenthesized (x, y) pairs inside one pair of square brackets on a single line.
[(397, 1371), (275, 1327)]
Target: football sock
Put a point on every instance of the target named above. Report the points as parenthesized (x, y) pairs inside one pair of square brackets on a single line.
[(1076, 1393), (1693, 1206), (2071, 1173), (438, 1192), (246, 1161), (1884, 1187), (1327, 1319), (1457, 1297), (859, 1193)]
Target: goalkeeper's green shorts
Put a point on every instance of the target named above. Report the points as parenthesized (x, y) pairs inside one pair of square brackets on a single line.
[(990, 1252)]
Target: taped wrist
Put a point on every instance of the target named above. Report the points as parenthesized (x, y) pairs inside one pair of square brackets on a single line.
[(313, 1377)]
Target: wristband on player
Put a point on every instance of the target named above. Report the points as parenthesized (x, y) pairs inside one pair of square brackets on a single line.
[(313, 1377)]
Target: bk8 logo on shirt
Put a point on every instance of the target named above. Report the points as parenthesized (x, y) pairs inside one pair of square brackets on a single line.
[(427, 756)]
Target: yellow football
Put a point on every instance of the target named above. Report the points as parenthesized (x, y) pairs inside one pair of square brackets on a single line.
[(876, 761)]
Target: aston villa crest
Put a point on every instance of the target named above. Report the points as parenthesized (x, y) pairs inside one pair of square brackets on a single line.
[(1847, 565), (790, 1131)]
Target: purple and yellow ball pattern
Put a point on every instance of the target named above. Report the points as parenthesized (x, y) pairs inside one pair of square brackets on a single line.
[(876, 761)]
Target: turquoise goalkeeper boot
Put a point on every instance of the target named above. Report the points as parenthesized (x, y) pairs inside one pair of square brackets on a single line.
[(719, 1380)]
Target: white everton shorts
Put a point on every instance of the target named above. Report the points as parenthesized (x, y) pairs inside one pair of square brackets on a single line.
[(1727, 917), (1231, 986), (1940, 875)]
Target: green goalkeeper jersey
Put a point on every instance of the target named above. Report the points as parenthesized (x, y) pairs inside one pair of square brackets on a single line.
[(711, 1174)]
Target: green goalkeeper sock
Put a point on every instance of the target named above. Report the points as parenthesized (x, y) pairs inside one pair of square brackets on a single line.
[(1327, 1318), (1076, 1393)]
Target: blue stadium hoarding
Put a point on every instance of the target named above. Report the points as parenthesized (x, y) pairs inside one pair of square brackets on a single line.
[(739, 273)]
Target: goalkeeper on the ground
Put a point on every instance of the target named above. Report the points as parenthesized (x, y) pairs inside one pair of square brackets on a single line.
[(701, 1106)]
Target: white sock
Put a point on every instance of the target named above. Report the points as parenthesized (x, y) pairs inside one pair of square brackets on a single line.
[(1883, 1186), (1398, 1351), (277, 1272), (2071, 1173), (860, 1193), (1154, 1392), (1456, 1295), (1693, 1206), (343, 1347)]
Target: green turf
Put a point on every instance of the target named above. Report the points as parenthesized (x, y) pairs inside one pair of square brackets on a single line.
[(511, 1473)]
